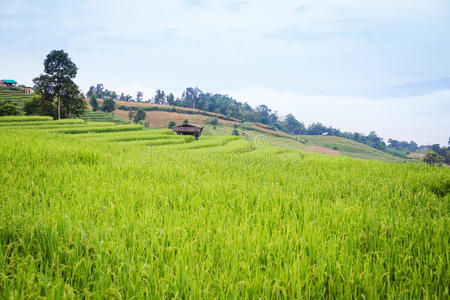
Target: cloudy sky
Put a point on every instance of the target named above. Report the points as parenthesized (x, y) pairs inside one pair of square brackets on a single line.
[(358, 65)]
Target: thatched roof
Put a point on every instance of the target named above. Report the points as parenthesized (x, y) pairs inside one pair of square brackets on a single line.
[(188, 125), (189, 128)]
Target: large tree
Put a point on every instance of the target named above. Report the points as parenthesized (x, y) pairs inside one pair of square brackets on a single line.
[(72, 100), (60, 70)]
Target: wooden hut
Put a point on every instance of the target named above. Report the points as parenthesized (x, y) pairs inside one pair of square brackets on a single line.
[(189, 129)]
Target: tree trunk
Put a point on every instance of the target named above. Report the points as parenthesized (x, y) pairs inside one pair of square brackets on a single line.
[(59, 107)]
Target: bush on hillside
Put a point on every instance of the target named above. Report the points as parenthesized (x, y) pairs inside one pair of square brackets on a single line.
[(432, 158), (139, 116), (108, 105), (246, 126), (94, 103), (8, 109), (213, 121)]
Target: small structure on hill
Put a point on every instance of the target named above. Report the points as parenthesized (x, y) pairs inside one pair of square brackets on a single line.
[(189, 129), (28, 90), (8, 82)]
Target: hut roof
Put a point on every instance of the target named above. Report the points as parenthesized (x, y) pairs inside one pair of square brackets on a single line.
[(188, 126)]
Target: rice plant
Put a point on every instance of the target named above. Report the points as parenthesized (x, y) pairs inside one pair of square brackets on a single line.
[(88, 218)]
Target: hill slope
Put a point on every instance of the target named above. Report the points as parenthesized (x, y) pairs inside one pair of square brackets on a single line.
[(15, 95), (321, 144)]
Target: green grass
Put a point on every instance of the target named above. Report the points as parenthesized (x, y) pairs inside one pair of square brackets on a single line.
[(86, 217), (100, 116), (8, 119), (345, 146), (236, 146), (204, 142), (128, 136), (44, 122), (98, 128)]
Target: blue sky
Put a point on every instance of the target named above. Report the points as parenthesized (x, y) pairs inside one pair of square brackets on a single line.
[(358, 65)]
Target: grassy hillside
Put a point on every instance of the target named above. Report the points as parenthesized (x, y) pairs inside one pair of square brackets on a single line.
[(260, 132), (15, 95), (306, 143), (100, 116), (346, 147), (93, 210)]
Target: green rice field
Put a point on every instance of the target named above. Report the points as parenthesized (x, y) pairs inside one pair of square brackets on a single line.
[(100, 116), (14, 95), (111, 211)]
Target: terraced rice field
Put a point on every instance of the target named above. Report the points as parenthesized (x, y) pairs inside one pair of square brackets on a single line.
[(115, 211), (100, 116), (15, 95)]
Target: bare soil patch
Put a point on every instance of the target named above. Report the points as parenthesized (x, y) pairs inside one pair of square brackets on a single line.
[(323, 150), (160, 119), (416, 155)]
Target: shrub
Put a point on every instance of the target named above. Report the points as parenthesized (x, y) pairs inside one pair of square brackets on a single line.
[(139, 116), (108, 105), (94, 103), (212, 121), (8, 109), (171, 124), (432, 158), (246, 126), (144, 123)]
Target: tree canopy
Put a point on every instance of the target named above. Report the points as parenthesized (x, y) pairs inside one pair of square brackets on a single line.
[(108, 105), (139, 116), (60, 71), (57, 83)]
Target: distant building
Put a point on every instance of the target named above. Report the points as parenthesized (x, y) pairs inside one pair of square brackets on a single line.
[(8, 82), (28, 90), (189, 129)]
